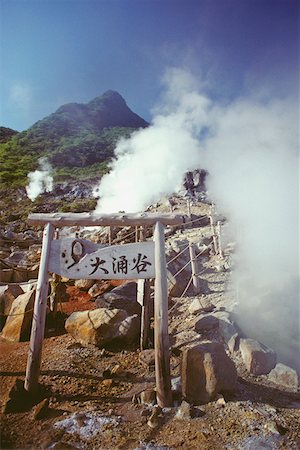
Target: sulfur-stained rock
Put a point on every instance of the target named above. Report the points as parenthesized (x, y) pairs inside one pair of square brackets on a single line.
[(258, 358), (18, 323), (206, 370), (103, 326)]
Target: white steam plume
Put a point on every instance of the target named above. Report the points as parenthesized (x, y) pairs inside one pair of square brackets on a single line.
[(40, 180), (250, 149)]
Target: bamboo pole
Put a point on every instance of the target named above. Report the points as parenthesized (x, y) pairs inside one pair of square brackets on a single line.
[(194, 265), (39, 314), (161, 336)]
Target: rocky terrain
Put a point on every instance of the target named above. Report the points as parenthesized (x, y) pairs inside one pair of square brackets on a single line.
[(229, 392)]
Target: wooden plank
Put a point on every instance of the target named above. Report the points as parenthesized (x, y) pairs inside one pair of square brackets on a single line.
[(81, 259), (144, 298), (39, 314), (194, 265), (161, 336), (92, 219)]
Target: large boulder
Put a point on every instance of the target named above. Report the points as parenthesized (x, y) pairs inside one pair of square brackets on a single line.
[(121, 297), (103, 326), (18, 323), (206, 370), (258, 358), (7, 296)]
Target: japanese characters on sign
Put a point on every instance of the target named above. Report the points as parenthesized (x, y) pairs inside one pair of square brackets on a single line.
[(78, 258)]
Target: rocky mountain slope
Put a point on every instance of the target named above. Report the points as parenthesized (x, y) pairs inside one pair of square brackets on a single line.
[(75, 136), (78, 141)]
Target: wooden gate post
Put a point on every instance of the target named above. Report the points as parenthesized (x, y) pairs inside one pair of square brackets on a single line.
[(161, 336), (195, 271), (39, 314)]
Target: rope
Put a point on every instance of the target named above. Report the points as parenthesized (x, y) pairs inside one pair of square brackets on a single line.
[(18, 314), (123, 237), (187, 286), (19, 269), (176, 256), (182, 268)]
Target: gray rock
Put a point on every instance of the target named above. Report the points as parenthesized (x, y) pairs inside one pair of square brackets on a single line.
[(186, 411), (121, 297), (207, 322), (206, 370), (103, 326), (234, 343), (284, 376), (258, 358), (201, 304)]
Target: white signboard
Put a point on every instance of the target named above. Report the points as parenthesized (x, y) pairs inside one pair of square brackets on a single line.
[(79, 258)]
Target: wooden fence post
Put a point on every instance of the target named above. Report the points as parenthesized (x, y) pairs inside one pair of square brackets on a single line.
[(194, 265), (144, 298), (39, 314), (219, 239), (161, 336), (214, 236)]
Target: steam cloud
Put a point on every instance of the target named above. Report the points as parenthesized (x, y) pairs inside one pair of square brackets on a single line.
[(249, 147), (40, 180)]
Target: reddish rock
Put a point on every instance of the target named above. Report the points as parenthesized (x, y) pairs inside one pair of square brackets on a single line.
[(206, 370)]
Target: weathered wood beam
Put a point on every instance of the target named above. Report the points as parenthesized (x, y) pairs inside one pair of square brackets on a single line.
[(86, 219)]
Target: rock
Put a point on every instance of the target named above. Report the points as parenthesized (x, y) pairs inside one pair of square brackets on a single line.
[(121, 297), (176, 384), (201, 304), (148, 397), (284, 376), (15, 399), (99, 288), (234, 343), (185, 411), (227, 328), (20, 275), (153, 421), (7, 296), (40, 410), (206, 370), (207, 322), (103, 326), (147, 357), (6, 275), (17, 326), (84, 285), (258, 358)]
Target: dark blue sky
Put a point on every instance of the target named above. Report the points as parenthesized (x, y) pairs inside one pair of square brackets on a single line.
[(58, 51)]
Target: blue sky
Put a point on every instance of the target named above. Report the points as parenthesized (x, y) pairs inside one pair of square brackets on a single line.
[(58, 51)]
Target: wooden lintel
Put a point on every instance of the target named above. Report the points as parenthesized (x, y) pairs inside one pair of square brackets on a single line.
[(86, 219)]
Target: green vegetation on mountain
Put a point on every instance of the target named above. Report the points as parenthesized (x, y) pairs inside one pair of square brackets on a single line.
[(78, 140), (6, 134)]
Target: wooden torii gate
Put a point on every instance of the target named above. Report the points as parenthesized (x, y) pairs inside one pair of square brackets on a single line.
[(79, 258)]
